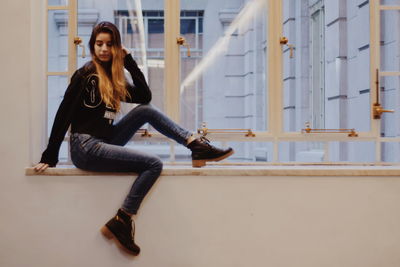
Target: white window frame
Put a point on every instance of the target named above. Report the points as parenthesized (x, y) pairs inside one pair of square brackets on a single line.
[(274, 134)]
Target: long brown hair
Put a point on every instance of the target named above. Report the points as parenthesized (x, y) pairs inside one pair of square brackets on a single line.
[(112, 85)]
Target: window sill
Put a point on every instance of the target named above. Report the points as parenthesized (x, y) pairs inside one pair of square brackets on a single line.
[(241, 170)]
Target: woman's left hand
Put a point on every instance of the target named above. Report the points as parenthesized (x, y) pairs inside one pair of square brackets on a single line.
[(41, 167)]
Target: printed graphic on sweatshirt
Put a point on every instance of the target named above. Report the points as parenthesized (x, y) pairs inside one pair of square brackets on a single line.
[(92, 98)]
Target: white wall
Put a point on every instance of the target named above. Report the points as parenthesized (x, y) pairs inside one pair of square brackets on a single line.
[(206, 221)]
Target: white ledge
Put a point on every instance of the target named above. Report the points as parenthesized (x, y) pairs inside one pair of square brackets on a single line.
[(240, 170)]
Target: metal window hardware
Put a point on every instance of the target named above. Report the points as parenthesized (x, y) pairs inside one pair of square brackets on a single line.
[(350, 132), (78, 42), (144, 133), (182, 41), (377, 108), (284, 41), (204, 131)]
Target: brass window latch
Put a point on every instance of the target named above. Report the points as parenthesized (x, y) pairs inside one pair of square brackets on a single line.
[(377, 108), (204, 131), (284, 41), (349, 132), (144, 133), (182, 41), (78, 42)]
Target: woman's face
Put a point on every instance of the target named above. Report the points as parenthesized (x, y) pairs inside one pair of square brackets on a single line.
[(102, 47)]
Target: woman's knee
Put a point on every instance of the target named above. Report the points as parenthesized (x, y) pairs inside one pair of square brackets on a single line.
[(145, 107), (154, 164), (148, 110), (157, 164)]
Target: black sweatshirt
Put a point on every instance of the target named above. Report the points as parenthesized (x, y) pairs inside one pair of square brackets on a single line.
[(83, 109)]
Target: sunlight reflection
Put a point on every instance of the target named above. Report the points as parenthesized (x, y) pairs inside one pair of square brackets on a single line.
[(139, 22), (246, 14)]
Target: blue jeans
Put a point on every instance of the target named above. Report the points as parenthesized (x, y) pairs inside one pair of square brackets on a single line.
[(94, 154)]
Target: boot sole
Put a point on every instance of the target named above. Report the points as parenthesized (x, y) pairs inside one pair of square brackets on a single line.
[(109, 235), (197, 163)]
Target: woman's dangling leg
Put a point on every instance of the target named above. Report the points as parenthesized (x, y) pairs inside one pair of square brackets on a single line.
[(92, 154)]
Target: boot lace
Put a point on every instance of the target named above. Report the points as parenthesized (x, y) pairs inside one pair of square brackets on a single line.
[(205, 141)]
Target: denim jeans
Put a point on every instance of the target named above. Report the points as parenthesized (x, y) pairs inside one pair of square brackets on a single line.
[(94, 154)]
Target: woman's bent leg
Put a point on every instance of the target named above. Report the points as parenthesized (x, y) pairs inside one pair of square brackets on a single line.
[(202, 151), (131, 122)]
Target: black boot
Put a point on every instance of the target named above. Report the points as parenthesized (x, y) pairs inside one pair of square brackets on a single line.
[(202, 152), (120, 229)]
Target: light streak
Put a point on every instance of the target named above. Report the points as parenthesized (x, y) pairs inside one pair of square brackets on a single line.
[(246, 14)]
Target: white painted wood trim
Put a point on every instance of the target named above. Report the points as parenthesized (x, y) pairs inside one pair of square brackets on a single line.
[(389, 7), (57, 7), (275, 70), (57, 73), (390, 73), (172, 58), (72, 33), (374, 65)]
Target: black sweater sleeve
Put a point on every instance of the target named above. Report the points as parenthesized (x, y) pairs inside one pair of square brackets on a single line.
[(62, 120), (140, 92)]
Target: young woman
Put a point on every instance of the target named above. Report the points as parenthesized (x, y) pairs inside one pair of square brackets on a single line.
[(90, 104)]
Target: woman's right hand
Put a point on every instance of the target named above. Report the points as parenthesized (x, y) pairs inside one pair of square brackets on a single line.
[(126, 51), (41, 167)]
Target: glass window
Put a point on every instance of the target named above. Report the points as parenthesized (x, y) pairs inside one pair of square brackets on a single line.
[(390, 2), (57, 52), (156, 26), (223, 83), (390, 41), (326, 76), (188, 26), (57, 2), (326, 69), (56, 88)]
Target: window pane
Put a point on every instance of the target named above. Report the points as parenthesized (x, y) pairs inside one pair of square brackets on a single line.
[(161, 149), (389, 85), (223, 83), (156, 33), (56, 88), (188, 26), (57, 2), (326, 78), (390, 100), (301, 152), (391, 152), (156, 26), (353, 152), (247, 151), (57, 53), (390, 2), (390, 43)]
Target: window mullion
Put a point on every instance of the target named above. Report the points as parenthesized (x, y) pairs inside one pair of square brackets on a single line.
[(274, 71), (374, 65), (172, 59), (72, 33)]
